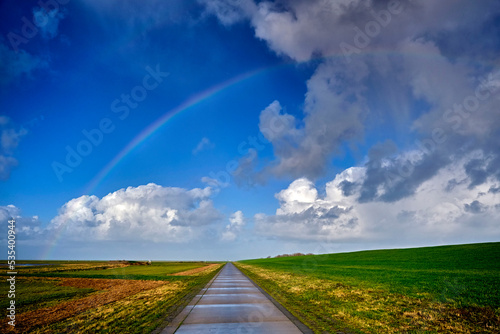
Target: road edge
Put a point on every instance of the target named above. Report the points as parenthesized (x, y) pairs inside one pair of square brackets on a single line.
[(299, 324), (177, 321)]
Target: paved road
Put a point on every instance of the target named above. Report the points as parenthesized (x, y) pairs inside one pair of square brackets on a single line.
[(231, 303)]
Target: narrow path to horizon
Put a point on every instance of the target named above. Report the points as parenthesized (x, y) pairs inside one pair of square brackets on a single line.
[(231, 303)]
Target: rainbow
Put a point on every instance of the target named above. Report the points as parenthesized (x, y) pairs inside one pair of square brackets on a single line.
[(184, 106), (149, 131), (157, 124)]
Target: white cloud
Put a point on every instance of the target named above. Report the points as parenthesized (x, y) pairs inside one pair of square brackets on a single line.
[(303, 29), (442, 185), (147, 212), (299, 31), (236, 223), (204, 144), (434, 214), (299, 196), (371, 91), (304, 215), (334, 111), (8, 212), (26, 227)]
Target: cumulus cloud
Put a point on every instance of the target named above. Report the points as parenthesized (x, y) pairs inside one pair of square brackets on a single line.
[(462, 120), (26, 227), (9, 140), (236, 223), (429, 88), (204, 144), (432, 214), (305, 215), (432, 89), (147, 212), (334, 112), (303, 29)]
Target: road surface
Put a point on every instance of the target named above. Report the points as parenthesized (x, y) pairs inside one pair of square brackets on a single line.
[(231, 303)]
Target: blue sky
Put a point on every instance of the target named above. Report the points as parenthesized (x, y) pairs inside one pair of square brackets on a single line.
[(264, 127)]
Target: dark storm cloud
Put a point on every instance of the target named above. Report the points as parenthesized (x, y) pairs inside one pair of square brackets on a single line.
[(390, 178), (456, 79)]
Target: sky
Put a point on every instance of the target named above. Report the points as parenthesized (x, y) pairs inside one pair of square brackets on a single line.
[(236, 129)]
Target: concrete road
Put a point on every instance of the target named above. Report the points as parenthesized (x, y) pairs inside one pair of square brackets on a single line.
[(231, 303)]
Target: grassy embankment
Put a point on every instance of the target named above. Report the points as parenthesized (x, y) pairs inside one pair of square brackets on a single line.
[(102, 297), (448, 289)]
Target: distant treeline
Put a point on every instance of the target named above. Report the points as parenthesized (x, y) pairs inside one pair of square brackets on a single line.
[(132, 263), (294, 254)]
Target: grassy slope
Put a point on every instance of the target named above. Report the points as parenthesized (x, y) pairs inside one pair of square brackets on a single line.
[(462, 277)]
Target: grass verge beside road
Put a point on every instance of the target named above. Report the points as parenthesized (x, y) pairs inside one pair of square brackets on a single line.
[(448, 289)]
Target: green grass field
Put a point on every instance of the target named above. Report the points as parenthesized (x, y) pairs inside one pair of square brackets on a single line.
[(420, 289), (155, 271)]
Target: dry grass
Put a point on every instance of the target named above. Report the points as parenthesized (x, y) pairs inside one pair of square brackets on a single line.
[(327, 306), (199, 271), (116, 317), (110, 290)]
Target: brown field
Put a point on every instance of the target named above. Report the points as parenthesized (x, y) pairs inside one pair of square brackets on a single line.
[(56, 304), (121, 316), (196, 271), (110, 290)]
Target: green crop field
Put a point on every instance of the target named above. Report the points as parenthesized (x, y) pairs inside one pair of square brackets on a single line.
[(425, 290)]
